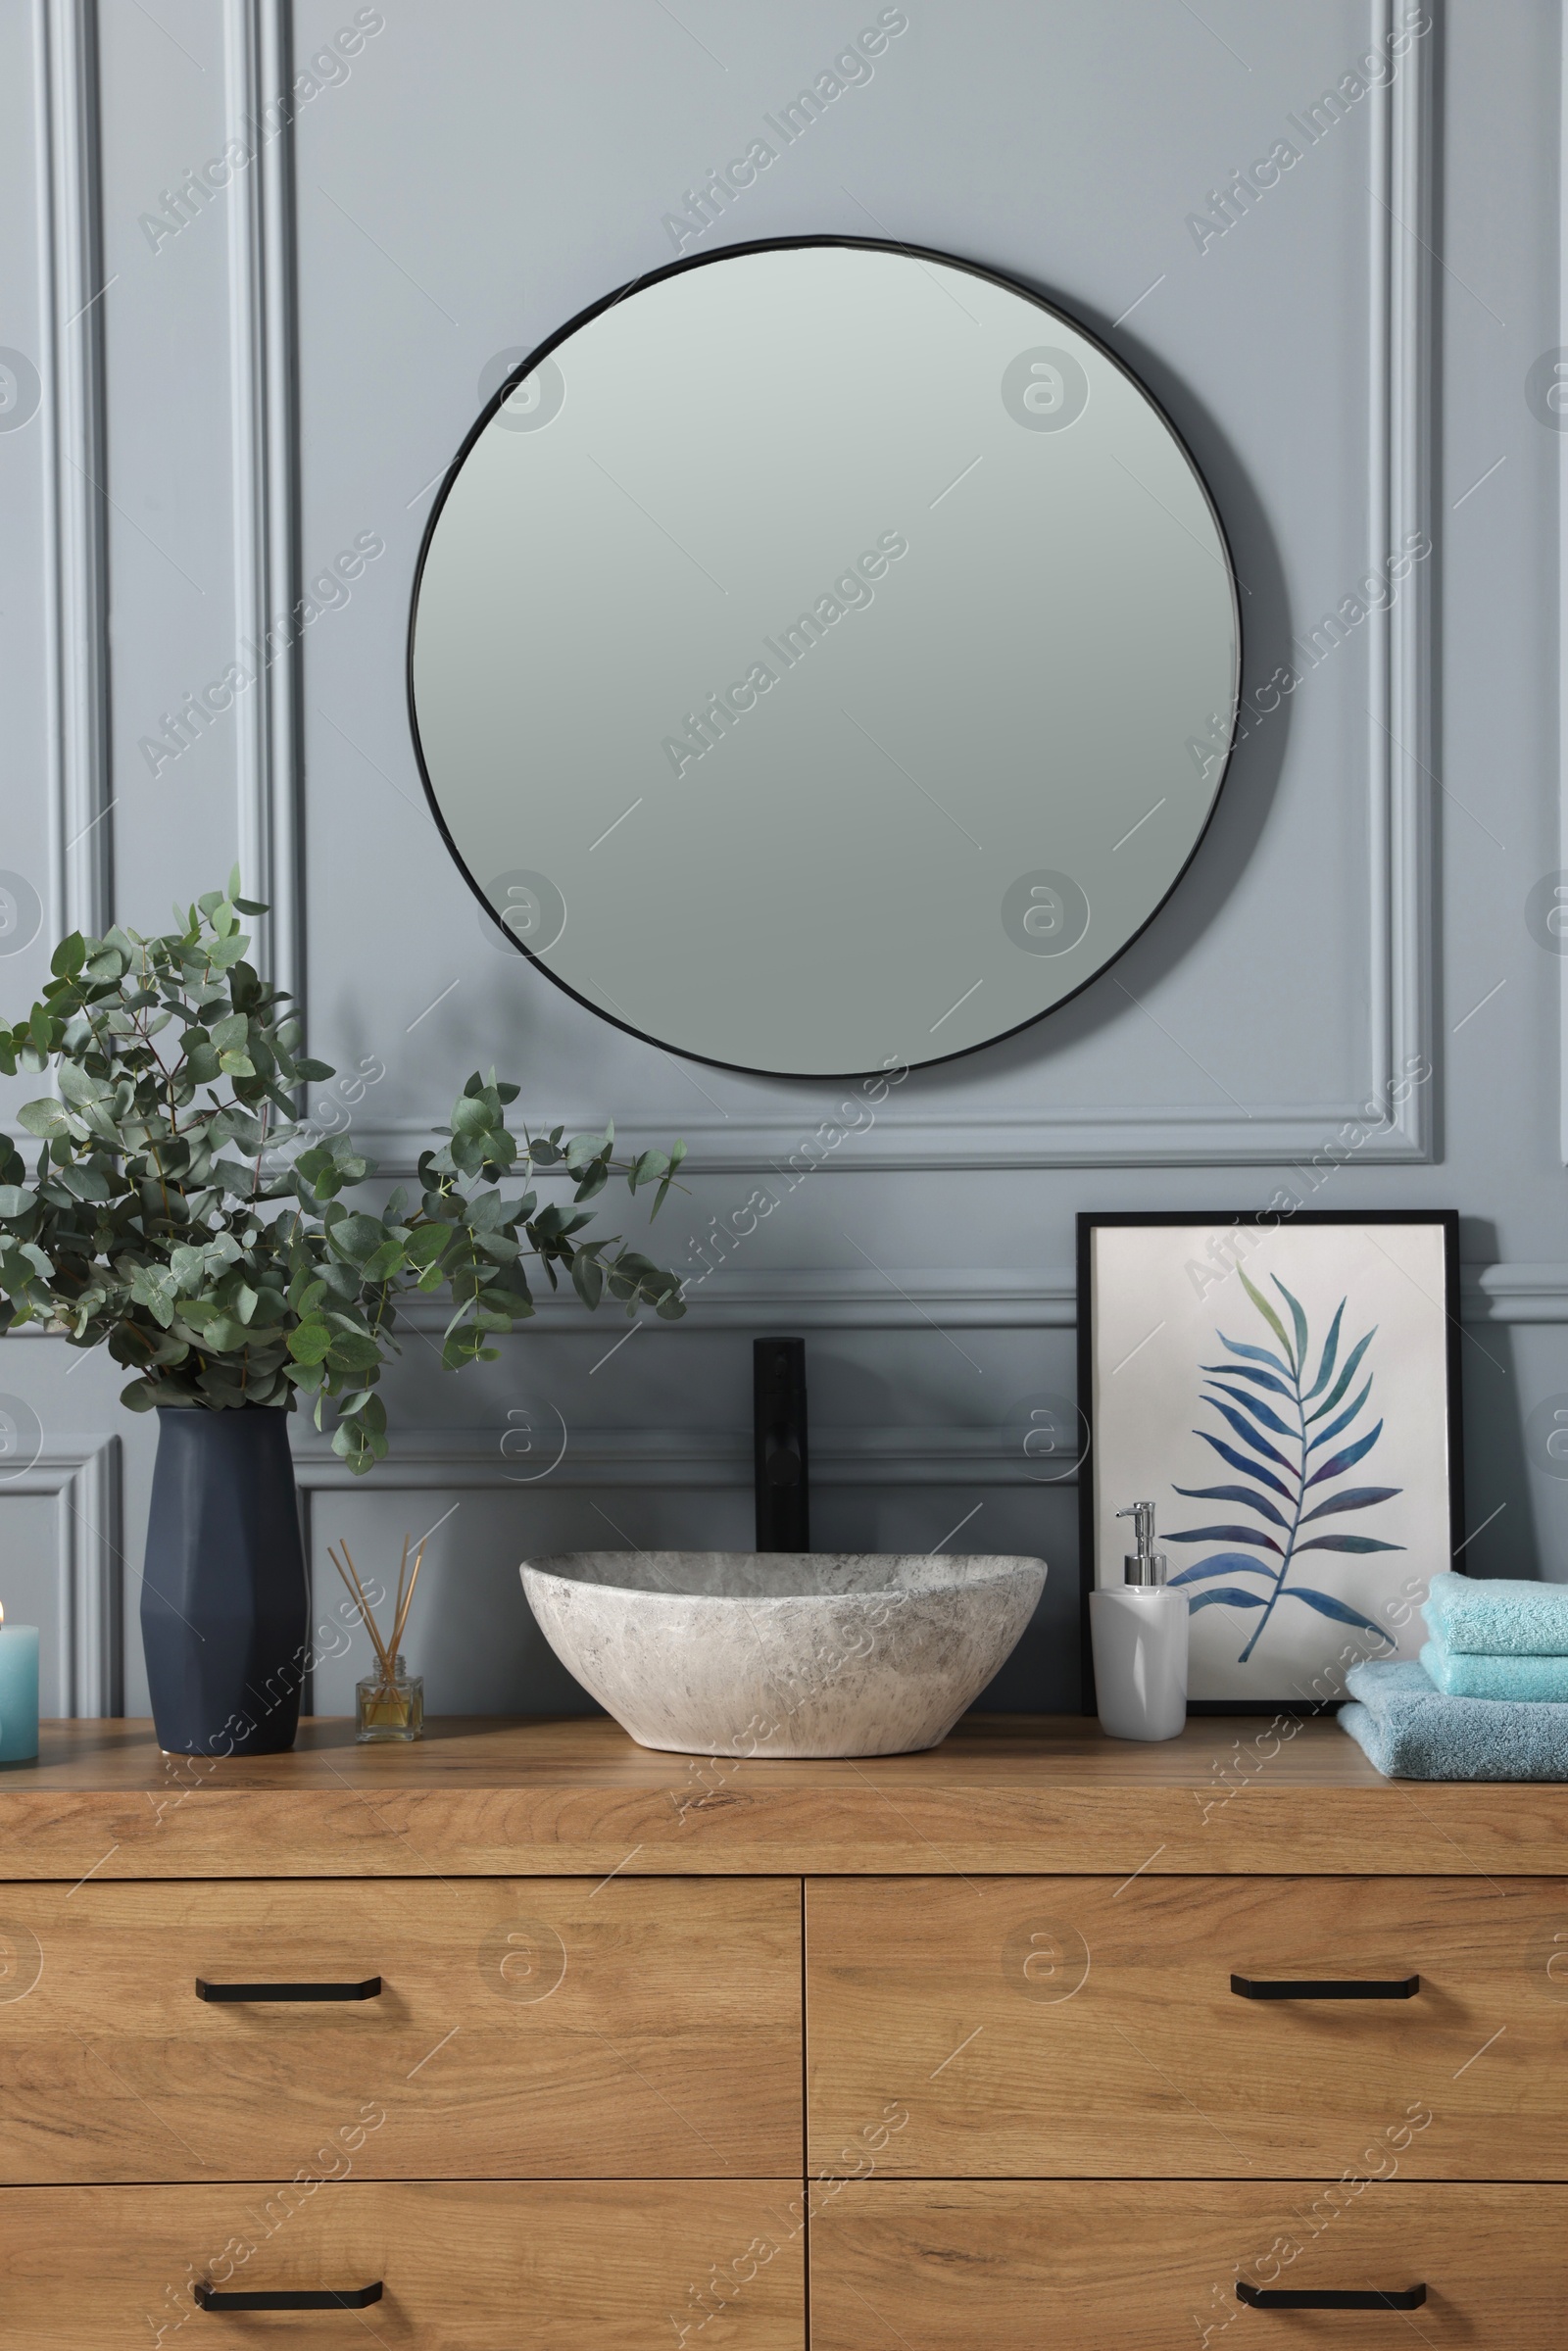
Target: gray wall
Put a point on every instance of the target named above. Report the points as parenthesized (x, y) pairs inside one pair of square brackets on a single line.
[(229, 404)]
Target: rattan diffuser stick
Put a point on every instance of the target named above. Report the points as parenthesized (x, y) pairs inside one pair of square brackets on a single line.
[(386, 1653)]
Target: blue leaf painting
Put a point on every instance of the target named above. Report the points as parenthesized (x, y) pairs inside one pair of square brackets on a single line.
[(1346, 1375), (1260, 1379), (1258, 1410), (1312, 1394), (1225, 1563), (1254, 1355), (1325, 1370), (1240, 1461), (1255, 1501), (1345, 1417), (1247, 1433), (1348, 1542), (1349, 1497), (1348, 1458), (1255, 1534), (1327, 1605)]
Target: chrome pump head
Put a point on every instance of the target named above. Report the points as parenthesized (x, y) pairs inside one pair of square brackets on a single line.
[(1146, 1566)]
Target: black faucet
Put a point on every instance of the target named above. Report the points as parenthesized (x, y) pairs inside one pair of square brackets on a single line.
[(778, 1412)]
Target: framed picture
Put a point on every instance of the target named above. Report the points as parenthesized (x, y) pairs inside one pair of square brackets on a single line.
[(1286, 1390)]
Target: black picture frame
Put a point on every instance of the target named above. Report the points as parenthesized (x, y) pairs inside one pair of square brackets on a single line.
[(1053, 306), (1092, 1220)]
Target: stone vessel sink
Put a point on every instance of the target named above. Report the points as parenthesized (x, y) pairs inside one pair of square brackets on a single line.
[(782, 1653)]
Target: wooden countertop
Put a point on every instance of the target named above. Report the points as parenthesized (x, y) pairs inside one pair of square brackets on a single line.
[(576, 1797)]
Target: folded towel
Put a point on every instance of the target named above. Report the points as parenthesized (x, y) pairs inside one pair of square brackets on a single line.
[(1412, 1732), (1460, 1673), (1497, 1617)]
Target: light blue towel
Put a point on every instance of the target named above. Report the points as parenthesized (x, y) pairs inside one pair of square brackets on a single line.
[(1412, 1732), (1494, 1617), (1460, 1673)]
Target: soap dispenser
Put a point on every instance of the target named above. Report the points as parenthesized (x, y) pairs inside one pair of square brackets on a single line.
[(1139, 1631)]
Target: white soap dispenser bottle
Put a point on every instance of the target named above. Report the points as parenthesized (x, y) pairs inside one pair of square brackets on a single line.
[(1138, 1630)]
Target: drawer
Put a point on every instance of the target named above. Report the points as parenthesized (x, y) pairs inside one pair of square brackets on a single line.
[(552, 2028), (1081, 2027), (1081, 2265), (484, 2266)]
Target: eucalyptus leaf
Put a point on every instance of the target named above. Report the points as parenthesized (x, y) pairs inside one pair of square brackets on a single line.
[(223, 1282), (45, 1117)]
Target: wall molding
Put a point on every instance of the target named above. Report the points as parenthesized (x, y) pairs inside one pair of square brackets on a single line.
[(1562, 584), (947, 1297), (1513, 1293), (1399, 730), (82, 1477), (74, 539), (264, 440), (929, 1299), (950, 1298), (471, 1461), (746, 1133), (790, 1143), (821, 1299)]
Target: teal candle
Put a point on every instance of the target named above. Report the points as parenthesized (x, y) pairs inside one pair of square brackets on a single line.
[(18, 1691)]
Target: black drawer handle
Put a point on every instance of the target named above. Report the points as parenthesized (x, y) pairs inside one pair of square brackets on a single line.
[(1326, 1987), (358, 2297), (1258, 2298), (369, 1990)]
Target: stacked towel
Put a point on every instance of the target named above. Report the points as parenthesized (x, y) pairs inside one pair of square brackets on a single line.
[(1411, 1730), (1488, 1699), (1496, 1639), (1491, 1617), (1463, 1674)]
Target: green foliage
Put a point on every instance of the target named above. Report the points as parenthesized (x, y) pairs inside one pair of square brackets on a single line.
[(173, 1215)]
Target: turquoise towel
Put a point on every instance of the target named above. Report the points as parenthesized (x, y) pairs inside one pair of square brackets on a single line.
[(1412, 1732), (1497, 1618), (1461, 1675)]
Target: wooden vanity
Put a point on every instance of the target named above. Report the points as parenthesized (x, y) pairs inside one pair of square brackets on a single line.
[(1038, 2041)]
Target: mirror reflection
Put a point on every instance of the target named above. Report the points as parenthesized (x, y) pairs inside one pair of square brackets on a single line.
[(824, 657)]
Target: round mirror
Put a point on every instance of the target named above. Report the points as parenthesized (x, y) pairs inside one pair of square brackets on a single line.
[(824, 657)]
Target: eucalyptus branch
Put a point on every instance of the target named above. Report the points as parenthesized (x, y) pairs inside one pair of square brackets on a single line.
[(258, 1291)]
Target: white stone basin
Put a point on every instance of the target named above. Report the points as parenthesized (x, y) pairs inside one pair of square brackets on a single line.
[(782, 1653)]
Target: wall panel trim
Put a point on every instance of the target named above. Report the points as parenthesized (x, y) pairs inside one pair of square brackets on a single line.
[(82, 1474), (75, 448), (949, 1299), (265, 433), (1562, 580), (466, 1459), (753, 1136), (1401, 735), (916, 1298)]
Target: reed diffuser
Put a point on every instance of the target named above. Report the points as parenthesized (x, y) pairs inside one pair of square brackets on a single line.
[(389, 1704)]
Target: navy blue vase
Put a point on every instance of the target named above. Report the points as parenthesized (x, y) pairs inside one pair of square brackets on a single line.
[(225, 1607)]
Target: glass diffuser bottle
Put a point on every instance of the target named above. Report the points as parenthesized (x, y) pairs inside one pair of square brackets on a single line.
[(389, 1705)]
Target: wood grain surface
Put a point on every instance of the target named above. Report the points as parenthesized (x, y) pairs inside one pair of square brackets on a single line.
[(481, 2266), (560, 2029), (1090, 2265), (1077, 2027), (571, 1797)]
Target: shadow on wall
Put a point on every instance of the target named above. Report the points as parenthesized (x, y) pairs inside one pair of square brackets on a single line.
[(1043, 1676), (1038, 1520), (1513, 1527), (481, 1651)]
